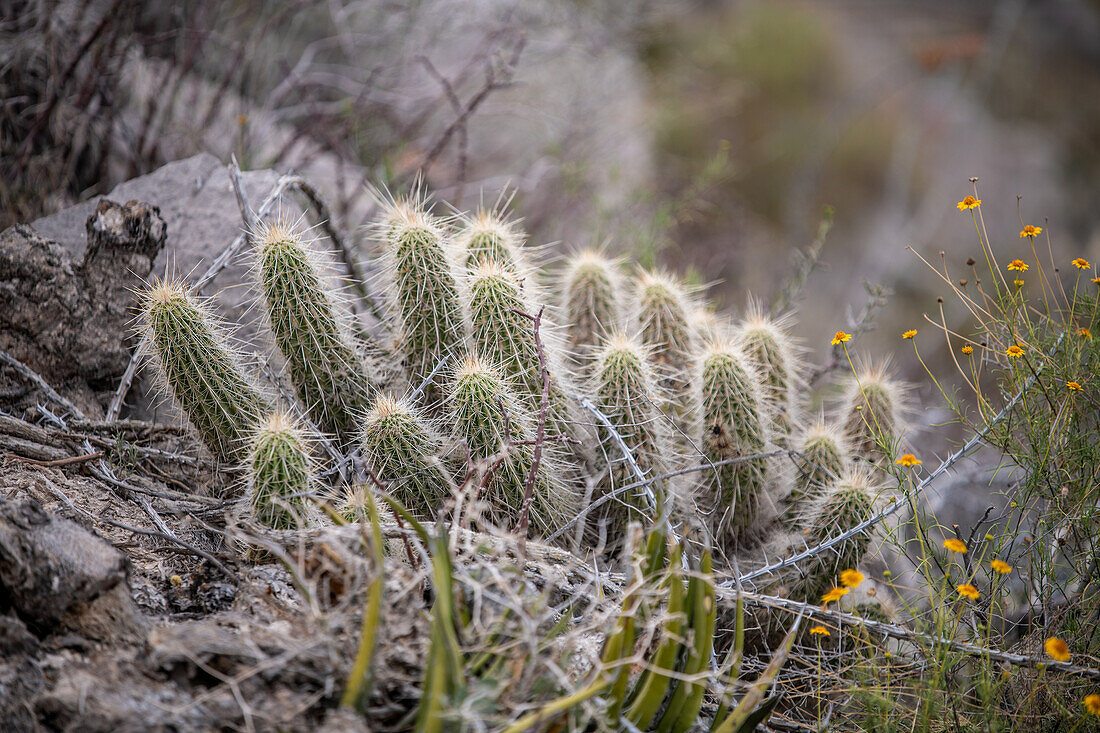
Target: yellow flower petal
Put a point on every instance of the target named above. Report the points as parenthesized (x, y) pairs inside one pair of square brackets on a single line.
[(851, 578), (968, 591), (1057, 649), (955, 545)]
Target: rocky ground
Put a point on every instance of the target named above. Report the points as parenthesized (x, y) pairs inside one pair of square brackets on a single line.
[(135, 594)]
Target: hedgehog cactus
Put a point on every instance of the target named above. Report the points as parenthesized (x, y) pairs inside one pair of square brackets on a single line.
[(664, 317), (423, 287), (506, 339), (203, 373), (736, 427), (476, 396), (327, 373), (625, 389), (871, 413), (279, 473), (769, 348), (824, 450), (846, 503), (400, 447), (591, 291), (488, 237)]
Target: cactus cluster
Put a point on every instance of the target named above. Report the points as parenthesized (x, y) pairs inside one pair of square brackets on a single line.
[(687, 418)]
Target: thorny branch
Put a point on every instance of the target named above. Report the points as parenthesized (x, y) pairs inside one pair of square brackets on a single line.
[(903, 634)]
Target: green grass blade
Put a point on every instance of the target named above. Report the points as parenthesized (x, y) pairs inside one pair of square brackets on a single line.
[(358, 683)]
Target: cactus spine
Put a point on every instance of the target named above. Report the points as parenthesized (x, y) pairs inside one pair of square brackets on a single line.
[(506, 339), (871, 413), (770, 350), (625, 388), (591, 290), (476, 396), (424, 295), (327, 373), (824, 449), (279, 473), (400, 447), (847, 502), (736, 426), (201, 370)]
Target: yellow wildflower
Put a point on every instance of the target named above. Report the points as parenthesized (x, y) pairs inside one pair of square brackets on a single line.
[(1018, 283), (851, 578), (834, 595), (967, 349), (1019, 265), (1092, 703), (840, 338), (1030, 231), (822, 631), (908, 460), (1057, 649), (1085, 333), (909, 334), (1074, 387), (968, 203), (968, 591), (955, 546), (1081, 263), (1014, 351), (1000, 566)]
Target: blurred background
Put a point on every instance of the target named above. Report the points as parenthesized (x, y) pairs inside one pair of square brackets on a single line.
[(711, 137)]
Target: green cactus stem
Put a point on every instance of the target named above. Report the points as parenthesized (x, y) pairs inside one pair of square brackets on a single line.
[(200, 369), (328, 374), (279, 471)]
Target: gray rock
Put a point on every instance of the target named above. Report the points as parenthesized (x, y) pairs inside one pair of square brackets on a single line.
[(64, 315), (48, 567)]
